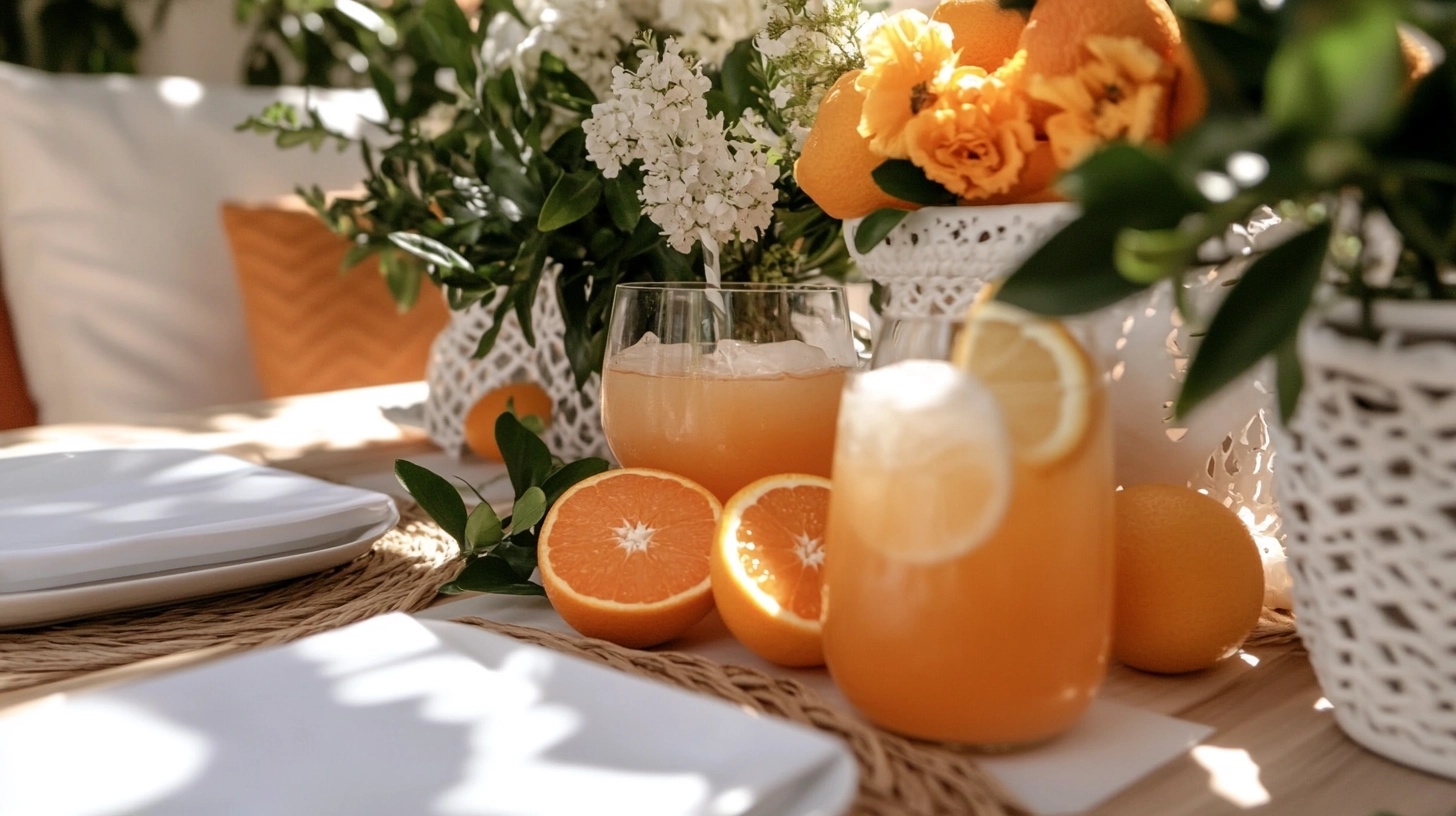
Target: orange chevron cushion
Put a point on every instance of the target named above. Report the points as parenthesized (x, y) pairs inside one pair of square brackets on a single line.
[(313, 327), (17, 409)]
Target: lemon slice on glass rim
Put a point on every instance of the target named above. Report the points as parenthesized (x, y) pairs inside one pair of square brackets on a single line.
[(1038, 373)]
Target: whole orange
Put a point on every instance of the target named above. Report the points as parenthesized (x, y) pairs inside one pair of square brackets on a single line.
[(1190, 580), (986, 35), (526, 399), (1056, 30), (1190, 92), (835, 165)]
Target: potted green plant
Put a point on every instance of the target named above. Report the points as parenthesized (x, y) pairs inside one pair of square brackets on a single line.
[(1341, 114), (540, 165)]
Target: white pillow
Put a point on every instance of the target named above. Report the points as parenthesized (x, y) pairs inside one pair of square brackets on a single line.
[(121, 286)]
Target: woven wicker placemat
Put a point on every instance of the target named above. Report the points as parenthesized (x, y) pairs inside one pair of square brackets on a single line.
[(897, 776), (401, 572)]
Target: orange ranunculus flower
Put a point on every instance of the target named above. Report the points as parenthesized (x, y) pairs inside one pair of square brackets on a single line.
[(902, 58), (1119, 92), (976, 137)]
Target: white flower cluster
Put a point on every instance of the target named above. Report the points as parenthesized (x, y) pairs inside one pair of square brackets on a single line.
[(806, 45), (701, 181), (709, 28), (588, 35)]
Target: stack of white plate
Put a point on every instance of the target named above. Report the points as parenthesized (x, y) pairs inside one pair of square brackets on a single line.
[(98, 531)]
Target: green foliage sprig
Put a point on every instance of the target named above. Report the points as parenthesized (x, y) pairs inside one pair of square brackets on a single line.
[(1311, 111), (329, 43), (499, 553)]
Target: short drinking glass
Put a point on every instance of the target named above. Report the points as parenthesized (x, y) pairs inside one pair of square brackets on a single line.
[(725, 384)]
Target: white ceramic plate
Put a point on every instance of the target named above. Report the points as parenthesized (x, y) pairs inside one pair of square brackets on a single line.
[(23, 609), (89, 516), (393, 716)]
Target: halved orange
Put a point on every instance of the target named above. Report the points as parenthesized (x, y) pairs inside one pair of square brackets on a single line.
[(1038, 373), (624, 555), (767, 562)]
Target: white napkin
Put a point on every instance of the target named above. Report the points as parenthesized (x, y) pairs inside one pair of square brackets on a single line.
[(387, 717), (73, 518)]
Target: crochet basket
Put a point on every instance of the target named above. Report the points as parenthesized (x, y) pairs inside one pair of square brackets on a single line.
[(938, 259), (457, 378), (935, 262), (1367, 479)]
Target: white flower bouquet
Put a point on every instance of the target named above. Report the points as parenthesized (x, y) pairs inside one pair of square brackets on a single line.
[(640, 140)]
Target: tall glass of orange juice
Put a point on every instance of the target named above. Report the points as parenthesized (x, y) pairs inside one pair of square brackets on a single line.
[(968, 571), (725, 384)]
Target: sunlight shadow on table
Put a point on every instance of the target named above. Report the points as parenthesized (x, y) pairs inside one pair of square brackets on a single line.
[(1232, 775), (383, 717)]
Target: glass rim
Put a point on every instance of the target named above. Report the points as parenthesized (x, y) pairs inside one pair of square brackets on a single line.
[(731, 286)]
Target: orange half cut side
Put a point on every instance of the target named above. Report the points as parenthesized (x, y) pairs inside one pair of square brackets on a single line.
[(768, 564), (624, 555)]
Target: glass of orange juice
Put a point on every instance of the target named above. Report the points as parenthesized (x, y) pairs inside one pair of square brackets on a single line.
[(725, 384), (968, 571)]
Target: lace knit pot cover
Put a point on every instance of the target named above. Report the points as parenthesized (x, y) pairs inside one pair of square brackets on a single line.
[(457, 379), (939, 258), (1367, 479)]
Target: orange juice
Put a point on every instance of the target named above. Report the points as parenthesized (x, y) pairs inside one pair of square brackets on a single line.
[(968, 591), (665, 407)]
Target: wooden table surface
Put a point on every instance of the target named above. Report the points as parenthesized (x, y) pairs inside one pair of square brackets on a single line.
[(1275, 747)]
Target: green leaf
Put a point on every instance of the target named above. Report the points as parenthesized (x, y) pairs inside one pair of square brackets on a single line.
[(623, 203), (526, 457), (563, 87), (529, 509), (1136, 184), (1427, 131), (573, 196), (1289, 377), (494, 7), (430, 251), (1261, 313), (903, 180), (875, 226), (571, 473), (483, 530), (1148, 256), (448, 32), (736, 79), (1233, 60), (494, 574), (402, 275), (388, 93), (438, 497), (1342, 74), (519, 553), (1073, 272)]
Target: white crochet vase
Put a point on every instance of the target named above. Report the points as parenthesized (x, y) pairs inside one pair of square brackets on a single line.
[(457, 378), (1367, 480), (935, 262), (938, 259)]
